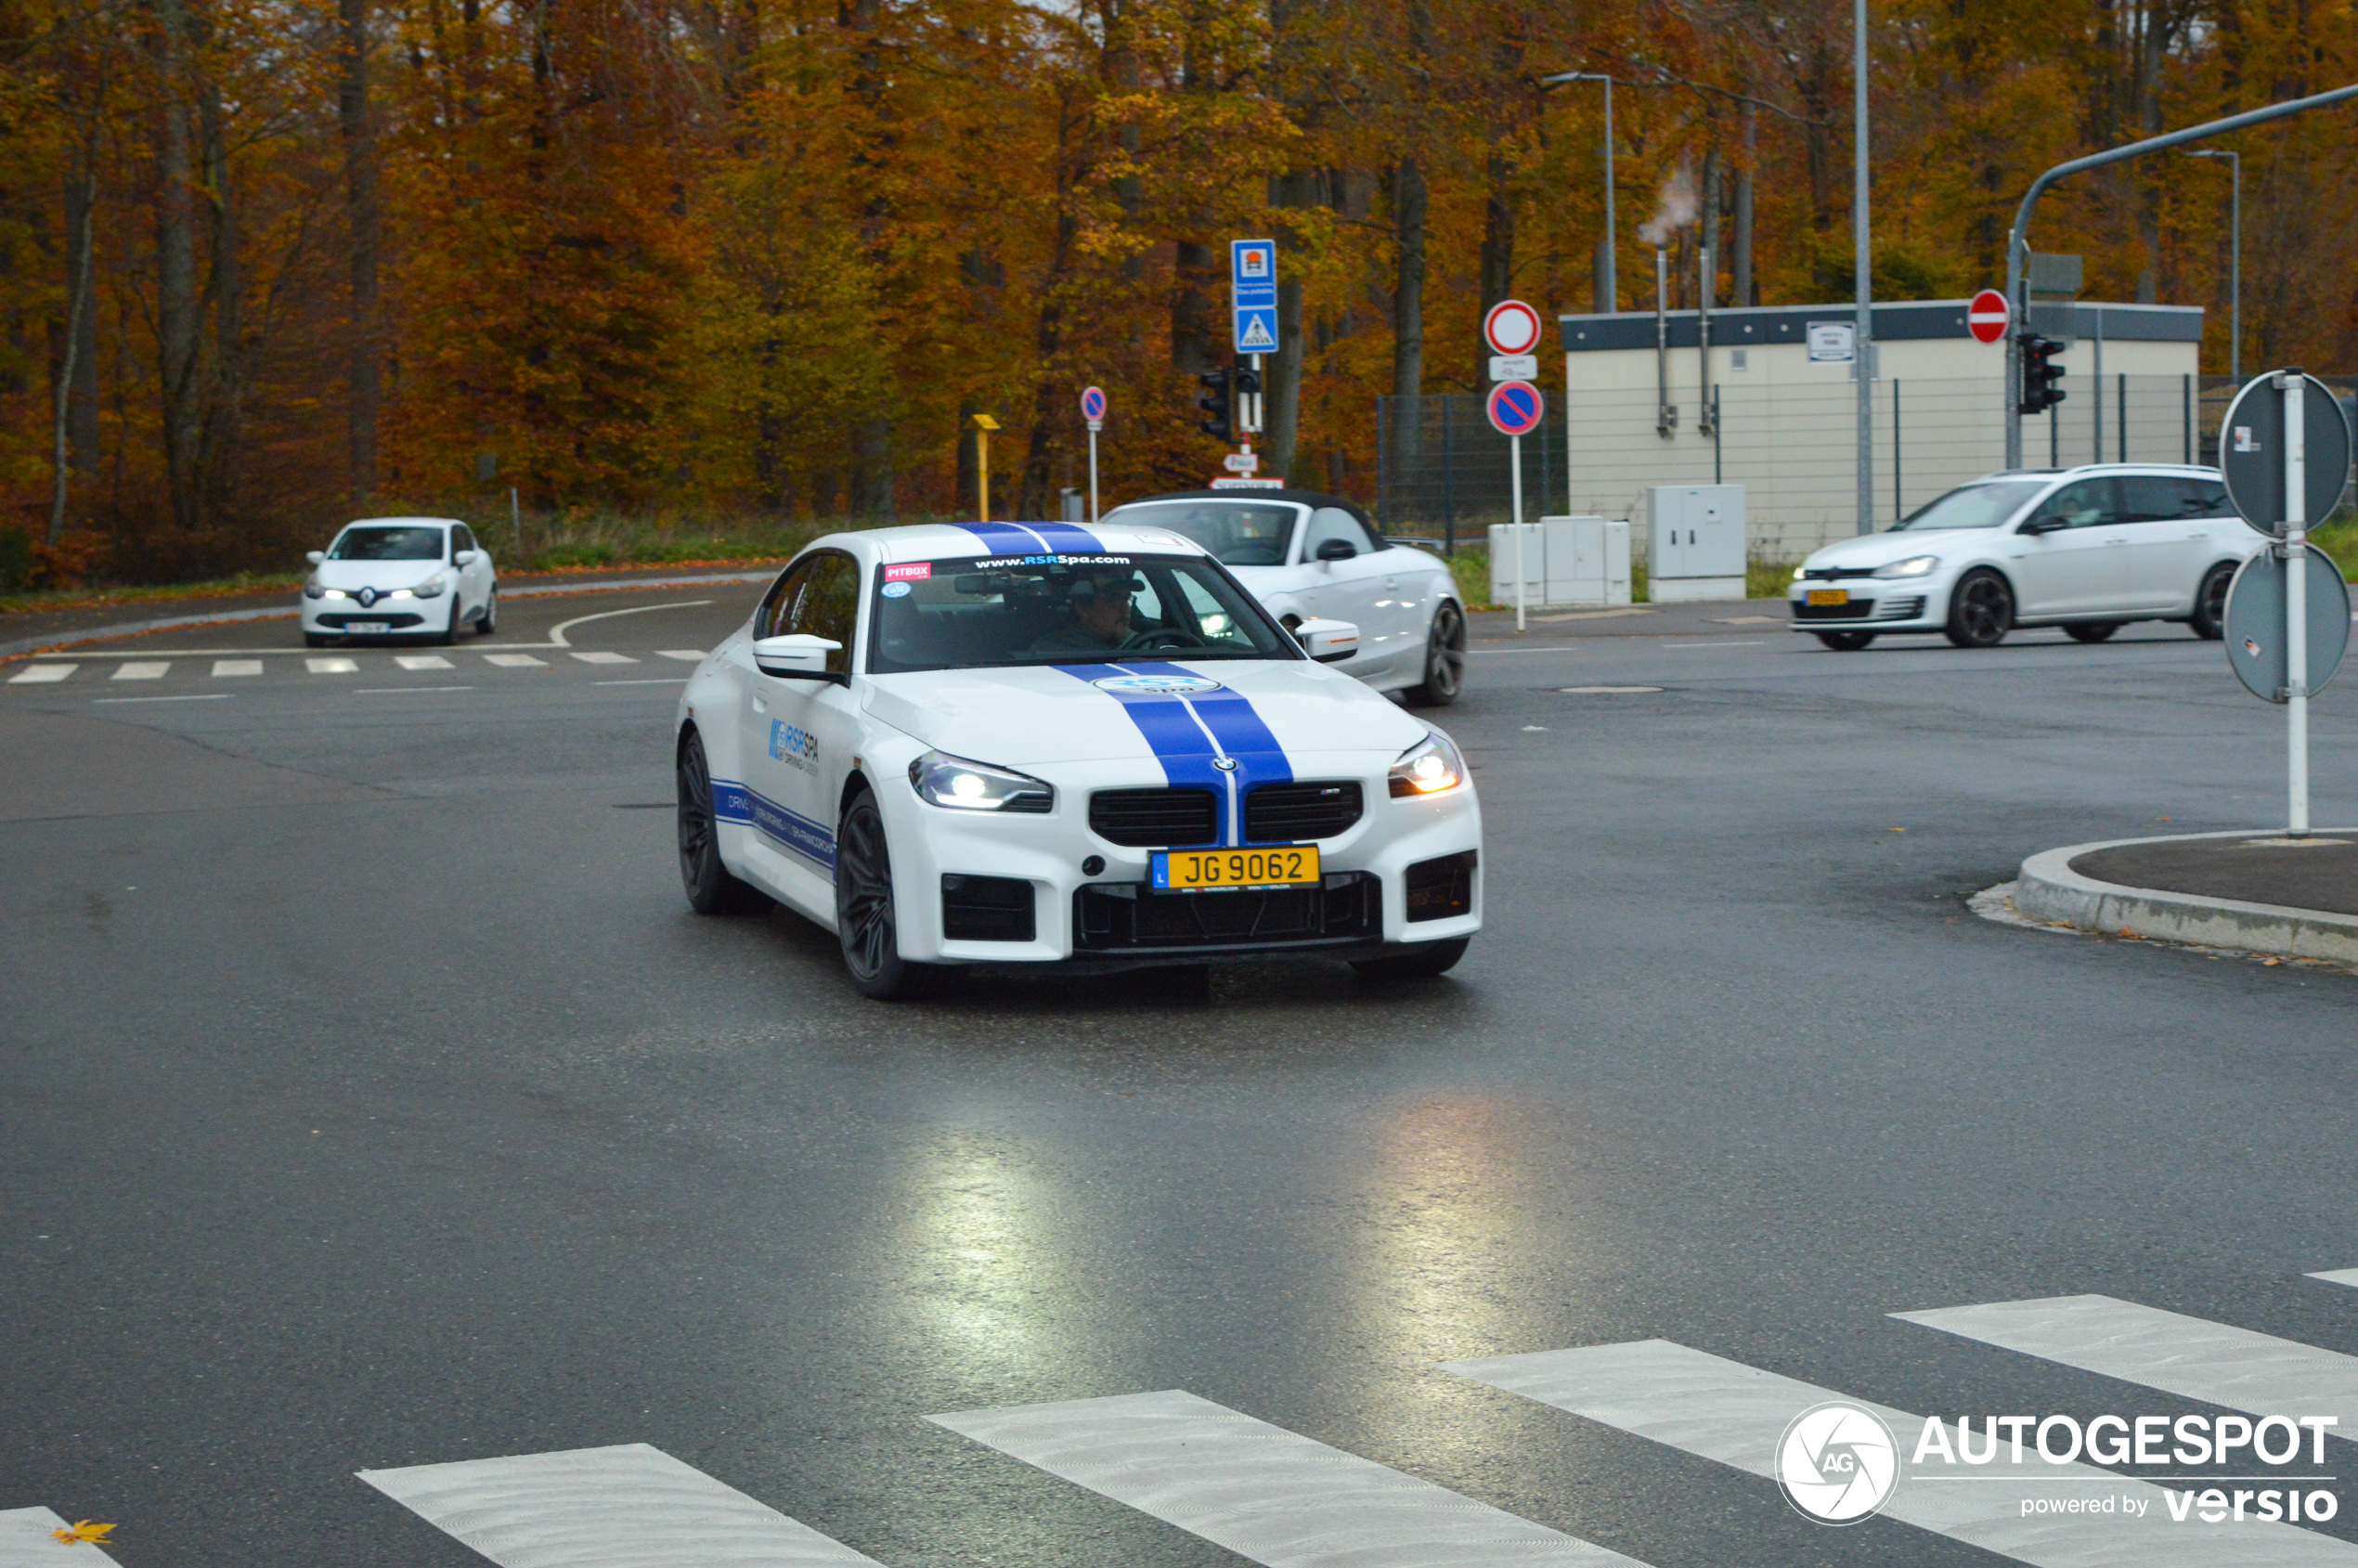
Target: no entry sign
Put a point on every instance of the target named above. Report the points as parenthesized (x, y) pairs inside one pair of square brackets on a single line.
[(1511, 327), (1516, 408), (1986, 315)]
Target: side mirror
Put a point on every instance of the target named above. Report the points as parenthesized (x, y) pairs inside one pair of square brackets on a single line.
[(797, 657), (464, 558), (315, 556), (2042, 526), (1327, 642), (1337, 549)]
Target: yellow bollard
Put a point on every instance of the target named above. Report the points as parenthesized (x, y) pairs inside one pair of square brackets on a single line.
[(984, 424)]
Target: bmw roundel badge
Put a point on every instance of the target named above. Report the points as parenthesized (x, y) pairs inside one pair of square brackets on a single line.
[(1156, 685)]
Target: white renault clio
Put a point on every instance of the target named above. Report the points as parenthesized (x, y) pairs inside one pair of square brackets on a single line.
[(1064, 749), (2085, 549), (400, 576)]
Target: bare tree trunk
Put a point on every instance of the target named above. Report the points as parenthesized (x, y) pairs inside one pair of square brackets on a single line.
[(1744, 293), (1408, 285), (1048, 399), (224, 388), (77, 383), (364, 370), (176, 325), (1282, 385), (1497, 275)]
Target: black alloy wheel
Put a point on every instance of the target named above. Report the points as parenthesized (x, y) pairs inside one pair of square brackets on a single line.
[(711, 888), (2209, 619), (1419, 964), (1845, 641), (865, 924), (1444, 658), (1981, 612), (2090, 631)]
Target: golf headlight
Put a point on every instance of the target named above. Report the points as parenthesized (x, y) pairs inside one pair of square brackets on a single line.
[(1799, 572), (944, 780), (1915, 566), (1427, 767), (431, 587)]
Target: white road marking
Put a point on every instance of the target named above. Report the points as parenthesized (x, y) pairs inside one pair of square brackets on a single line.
[(1724, 1410), (1668, 643), (196, 697), (602, 657), (26, 1541), (2212, 1362), (2339, 1277), (1263, 1492), (557, 632), (1747, 620), (41, 674), (1597, 615), (332, 666), (142, 669), (685, 655), (222, 668), (421, 661), (515, 661), (628, 1507), (1618, 690), (664, 680), (403, 691)]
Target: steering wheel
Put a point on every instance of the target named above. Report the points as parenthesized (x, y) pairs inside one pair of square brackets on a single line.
[(1161, 637)]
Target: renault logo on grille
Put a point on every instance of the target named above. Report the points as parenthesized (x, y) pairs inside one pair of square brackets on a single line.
[(366, 596)]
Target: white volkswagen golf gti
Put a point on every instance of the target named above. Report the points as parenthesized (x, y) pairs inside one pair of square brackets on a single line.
[(1307, 555), (2085, 549), (400, 576), (1068, 749)]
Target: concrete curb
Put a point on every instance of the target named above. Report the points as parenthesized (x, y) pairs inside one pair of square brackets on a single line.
[(225, 618), (2049, 889)]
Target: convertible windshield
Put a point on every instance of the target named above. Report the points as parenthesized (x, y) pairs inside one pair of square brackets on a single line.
[(1973, 506), (388, 544), (1237, 533), (973, 612)]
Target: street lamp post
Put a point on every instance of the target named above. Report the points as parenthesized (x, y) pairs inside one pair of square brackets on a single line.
[(1608, 284), (2235, 263), (1863, 257)]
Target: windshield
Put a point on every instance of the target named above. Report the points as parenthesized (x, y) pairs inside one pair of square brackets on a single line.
[(1237, 533), (973, 612), (388, 544), (1973, 506)]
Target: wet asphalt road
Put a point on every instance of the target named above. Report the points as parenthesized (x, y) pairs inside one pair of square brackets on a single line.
[(370, 1098)]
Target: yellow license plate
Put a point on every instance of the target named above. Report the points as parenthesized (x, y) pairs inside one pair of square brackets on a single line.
[(1830, 596), (1219, 871)]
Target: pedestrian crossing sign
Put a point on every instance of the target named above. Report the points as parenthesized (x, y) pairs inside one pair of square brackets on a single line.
[(1257, 330)]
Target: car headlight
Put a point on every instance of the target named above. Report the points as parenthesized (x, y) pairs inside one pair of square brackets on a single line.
[(1427, 767), (1798, 572), (944, 780), (313, 590), (431, 587), (1915, 566)]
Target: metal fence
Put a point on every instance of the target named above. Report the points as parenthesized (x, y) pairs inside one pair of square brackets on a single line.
[(1794, 446)]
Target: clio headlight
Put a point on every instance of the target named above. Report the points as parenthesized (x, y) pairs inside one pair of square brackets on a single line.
[(433, 587), (944, 780), (1915, 566), (1427, 767)]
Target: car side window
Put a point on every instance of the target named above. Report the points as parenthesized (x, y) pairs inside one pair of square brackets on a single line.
[(1333, 523), (777, 606), (463, 537), (2205, 498), (829, 606), (2153, 497), (2085, 504)]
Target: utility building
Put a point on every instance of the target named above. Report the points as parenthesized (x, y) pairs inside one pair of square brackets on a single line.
[(1772, 405)]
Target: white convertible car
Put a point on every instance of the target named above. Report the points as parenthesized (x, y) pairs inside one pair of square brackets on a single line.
[(1064, 748)]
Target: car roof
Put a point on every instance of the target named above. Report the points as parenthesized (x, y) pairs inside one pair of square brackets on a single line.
[(2088, 468), (1298, 498), (933, 541), (401, 523)]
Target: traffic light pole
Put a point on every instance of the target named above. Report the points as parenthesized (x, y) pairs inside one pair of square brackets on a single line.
[(2018, 245)]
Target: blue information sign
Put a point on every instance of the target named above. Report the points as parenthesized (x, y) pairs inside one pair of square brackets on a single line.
[(1252, 289)]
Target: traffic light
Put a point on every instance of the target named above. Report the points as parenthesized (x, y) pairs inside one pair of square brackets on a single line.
[(1247, 380), (1215, 402), (2039, 374)]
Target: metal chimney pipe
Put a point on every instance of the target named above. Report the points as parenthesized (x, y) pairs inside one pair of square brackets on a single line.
[(1665, 416), (1704, 423)]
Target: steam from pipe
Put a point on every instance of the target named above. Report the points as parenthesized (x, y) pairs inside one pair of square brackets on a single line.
[(1676, 208)]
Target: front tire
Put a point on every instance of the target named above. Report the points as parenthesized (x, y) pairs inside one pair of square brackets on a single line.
[(1845, 641), (865, 924), (711, 888), (450, 633), (316, 640), (1444, 659), (1981, 612), (2209, 619), (1423, 964), (2090, 631)]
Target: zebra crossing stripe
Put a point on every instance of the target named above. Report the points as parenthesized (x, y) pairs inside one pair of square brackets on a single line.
[(628, 1507), (1724, 1410), (2212, 1362), (226, 667), (41, 674), (515, 661), (1282, 1499), (685, 655), (142, 669), (26, 1541), (421, 661), (2331, 1275), (332, 667), (601, 657)]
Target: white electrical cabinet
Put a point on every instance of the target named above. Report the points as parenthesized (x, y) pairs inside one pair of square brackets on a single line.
[(1568, 563), (1694, 542)]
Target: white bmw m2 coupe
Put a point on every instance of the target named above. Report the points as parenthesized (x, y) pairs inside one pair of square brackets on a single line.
[(1064, 748)]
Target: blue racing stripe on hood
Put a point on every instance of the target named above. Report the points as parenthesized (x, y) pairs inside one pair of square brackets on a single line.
[(1036, 539), (1188, 732)]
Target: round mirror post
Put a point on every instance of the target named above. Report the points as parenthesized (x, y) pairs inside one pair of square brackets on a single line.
[(2296, 604)]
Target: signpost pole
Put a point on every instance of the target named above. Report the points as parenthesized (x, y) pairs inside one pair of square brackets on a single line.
[(1523, 579), (2296, 603), (1092, 473)]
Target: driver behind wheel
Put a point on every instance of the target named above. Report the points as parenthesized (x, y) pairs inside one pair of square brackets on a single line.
[(1098, 604)]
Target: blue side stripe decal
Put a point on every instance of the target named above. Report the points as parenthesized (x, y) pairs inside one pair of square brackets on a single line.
[(732, 802), (1036, 539), (1175, 729)]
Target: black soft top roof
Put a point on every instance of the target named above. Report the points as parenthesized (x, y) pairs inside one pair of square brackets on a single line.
[(1299, 498)]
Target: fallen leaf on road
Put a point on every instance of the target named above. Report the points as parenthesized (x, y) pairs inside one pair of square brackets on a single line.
[(82, 1530)]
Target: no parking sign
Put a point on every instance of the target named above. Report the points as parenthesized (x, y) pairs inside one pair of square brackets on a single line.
[(1516, 408)]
